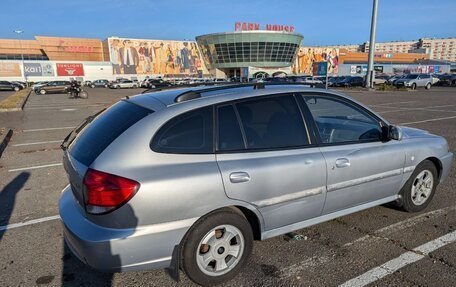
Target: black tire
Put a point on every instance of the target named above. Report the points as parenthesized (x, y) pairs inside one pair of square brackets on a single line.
[(428, 86), (406, 201), (413, 86), (42, 92), (193, 238), (16, 89), (92, 86)]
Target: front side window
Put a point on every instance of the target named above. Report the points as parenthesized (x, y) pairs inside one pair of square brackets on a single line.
[(341, 122), (272, 122), (189, 133)]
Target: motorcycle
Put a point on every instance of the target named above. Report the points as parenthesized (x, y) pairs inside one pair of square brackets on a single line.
[(77, 92)]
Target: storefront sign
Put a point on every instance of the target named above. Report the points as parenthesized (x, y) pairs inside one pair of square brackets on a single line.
[(38, 69), (74, 49), (70, 69), (242, 26), (10, 69)]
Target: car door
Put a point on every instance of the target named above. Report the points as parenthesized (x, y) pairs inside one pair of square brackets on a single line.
[(361, 168), (267, 159)]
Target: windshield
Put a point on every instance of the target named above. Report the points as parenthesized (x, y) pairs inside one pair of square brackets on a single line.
[(411, 76)]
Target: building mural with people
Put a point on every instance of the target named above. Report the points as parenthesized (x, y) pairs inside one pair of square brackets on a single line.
[(155, 57), (307, 56)]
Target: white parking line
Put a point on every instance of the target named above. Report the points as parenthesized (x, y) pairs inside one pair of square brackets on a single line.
[(30, 222), (61, 107), (403, 260), (35, 143), (47, 129), (430, 120), (393, 103), (35, 167), (395, 227)]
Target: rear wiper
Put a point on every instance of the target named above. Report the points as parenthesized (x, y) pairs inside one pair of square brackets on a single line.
[(65, 143)]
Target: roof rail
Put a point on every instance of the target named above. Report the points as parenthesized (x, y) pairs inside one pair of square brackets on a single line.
[(194, 94)]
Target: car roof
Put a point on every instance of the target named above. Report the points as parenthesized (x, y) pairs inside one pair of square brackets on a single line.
[(166, 98)]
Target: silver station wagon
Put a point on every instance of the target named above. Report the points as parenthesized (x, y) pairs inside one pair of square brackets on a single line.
[(187, 179)]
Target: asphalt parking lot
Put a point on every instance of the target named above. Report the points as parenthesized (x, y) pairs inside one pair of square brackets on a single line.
[(333, 253)]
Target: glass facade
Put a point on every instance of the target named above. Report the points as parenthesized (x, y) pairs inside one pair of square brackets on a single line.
[(249, 48)]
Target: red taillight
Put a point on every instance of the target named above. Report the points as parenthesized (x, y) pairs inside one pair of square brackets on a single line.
[(105, 192)]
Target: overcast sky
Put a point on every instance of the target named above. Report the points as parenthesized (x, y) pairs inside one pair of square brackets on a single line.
[(322, 22)]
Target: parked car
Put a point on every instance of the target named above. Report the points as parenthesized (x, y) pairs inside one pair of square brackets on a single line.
[(23, 85), (414, 81), (350, 82), (9, 86), (155, 83), (38, 84), (447, 80), (87, 83), (188, 178), (123, 84), (99, 84), (435, 79), (392, 80), (309, 80), (53, 87), (333, 81), (380, 79)]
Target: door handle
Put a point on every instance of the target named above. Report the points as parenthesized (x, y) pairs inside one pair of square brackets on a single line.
[(342, 162), (239, 176)]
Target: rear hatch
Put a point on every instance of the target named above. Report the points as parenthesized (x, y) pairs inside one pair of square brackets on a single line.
[(86, 142)]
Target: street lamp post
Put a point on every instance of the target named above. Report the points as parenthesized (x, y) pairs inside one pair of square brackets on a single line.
[(370, 65), (19, 33)]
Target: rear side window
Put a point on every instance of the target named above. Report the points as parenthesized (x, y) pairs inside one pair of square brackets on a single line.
[(189, 133), (92, 140), (272, 122), (230, 136)]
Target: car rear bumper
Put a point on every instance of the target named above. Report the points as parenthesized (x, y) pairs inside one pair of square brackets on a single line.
[(112, 250), (446, 161)]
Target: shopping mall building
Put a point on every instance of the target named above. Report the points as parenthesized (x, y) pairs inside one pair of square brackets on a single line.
[(249, 51)]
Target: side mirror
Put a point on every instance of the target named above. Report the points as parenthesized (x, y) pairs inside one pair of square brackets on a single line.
[(391, 133), (395, 133)]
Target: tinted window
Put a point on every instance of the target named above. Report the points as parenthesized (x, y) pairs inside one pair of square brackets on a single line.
[(104, 130), (190, 132), (230, 136), (340, 122), (272, 122)]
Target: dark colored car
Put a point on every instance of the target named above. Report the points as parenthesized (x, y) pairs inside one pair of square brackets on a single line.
[(351, 82), (447, 80), (54, 87), (9, 86), (155, 83), (99, 84), (333, 81)]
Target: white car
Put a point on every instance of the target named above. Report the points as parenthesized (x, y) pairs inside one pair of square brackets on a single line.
[(311, 80), (123, 84)]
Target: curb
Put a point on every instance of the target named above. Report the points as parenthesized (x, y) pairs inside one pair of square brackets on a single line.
[(4, 139), (19, 107), (25, 100)]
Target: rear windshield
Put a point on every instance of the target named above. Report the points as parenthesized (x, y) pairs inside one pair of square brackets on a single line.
[(104, 129)]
